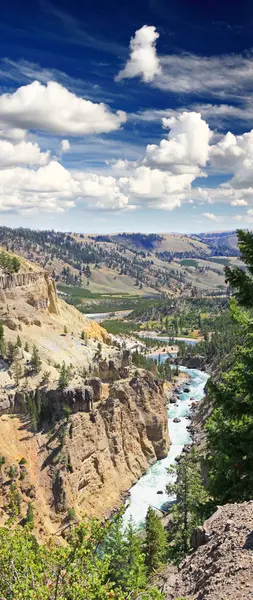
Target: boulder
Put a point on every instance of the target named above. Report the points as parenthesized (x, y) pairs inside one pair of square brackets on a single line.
[(11, 323), (159, 492), (173, 399), (176, 420), (198, 537)]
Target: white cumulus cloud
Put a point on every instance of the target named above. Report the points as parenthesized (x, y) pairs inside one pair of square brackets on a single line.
[(143, 61), (65, 145), (52, 108), (22, 153), (210, 216), (187, 143)]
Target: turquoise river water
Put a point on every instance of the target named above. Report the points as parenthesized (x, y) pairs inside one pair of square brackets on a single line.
[(144, 492)]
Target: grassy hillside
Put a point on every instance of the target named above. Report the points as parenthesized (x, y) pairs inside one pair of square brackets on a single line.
[(131, 264)]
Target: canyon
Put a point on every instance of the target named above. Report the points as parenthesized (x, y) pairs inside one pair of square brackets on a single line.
[(97, 435)]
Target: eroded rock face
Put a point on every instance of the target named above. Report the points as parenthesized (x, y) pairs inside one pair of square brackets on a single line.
[(96, 385), (112, 447), (221, 567), (107, 444)]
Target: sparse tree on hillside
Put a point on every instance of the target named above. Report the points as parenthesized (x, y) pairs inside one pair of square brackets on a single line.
[(29, 520), (2, 342), (84, 336), (17, 372), (45, 378), (19, 343), (12, 351), (36, 360), (66, 374)]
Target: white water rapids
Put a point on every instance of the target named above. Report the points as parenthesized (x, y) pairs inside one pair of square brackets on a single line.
[(144, 492)]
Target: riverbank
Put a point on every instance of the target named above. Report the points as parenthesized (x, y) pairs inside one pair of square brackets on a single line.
[(153, 335), (151, 487)]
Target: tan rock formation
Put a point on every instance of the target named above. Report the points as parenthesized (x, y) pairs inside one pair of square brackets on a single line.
[(106, 447), (111, 448), (29, 304)]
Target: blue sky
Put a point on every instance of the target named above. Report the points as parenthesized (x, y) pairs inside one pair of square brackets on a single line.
[(126, 116)]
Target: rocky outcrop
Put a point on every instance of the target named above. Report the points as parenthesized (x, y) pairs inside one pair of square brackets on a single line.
[(221, 567), (96, 385), (8, 282), (195, 362), (79, 399), (98, 447), (111, 447), (34, 288)]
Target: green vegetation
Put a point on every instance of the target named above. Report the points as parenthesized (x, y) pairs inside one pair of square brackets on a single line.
[(2, 341), (115, 326), (99, 563), (29, 520), (189, 262), (230, 429), (36, 360), (66, 374), (155, 544), (191, 504), (220, 261), (143, 362), (9, 264), (89, 302), (221, 336), (184, 317)]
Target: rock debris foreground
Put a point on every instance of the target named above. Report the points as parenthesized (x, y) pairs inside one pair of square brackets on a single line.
[(222, 566)]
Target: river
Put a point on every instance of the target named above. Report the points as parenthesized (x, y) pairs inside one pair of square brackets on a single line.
[(144, 492), (155, 336)]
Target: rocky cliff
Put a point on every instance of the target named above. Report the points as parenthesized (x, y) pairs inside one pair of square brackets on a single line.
[(90, 458), (221, 568), (113, 445), (31, 309)]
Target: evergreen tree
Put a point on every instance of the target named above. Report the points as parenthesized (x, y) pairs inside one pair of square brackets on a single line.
[(32, 410), (26, 347), (191, 499), (29, 520), (19, 343), (241, 281), (45, 378), (12, 351), (36, 360), (127, 561), (230, 428), (84, 336), (17, 372), (2, 342), (155, 543), (66, 374)]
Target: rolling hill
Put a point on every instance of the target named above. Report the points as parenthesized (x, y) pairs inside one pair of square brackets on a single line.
[(129, 264)]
